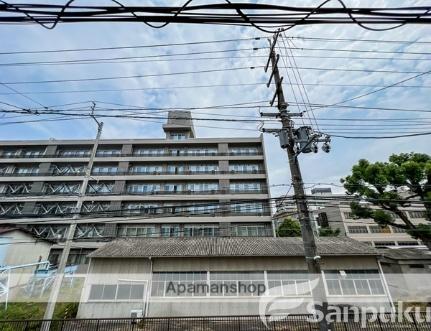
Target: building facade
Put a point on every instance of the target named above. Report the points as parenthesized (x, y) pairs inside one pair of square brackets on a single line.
[(146, 275), (366, 230), (179, 186)]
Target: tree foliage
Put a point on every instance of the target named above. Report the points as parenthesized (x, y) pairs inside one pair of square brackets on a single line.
[(327, 231), (391, 186), (289, 228)]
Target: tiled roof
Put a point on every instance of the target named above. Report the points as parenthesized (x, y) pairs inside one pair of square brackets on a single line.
[(406, 254), (225, 246)]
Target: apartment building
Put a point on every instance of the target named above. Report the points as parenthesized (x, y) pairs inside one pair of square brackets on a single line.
[(329, 209), (366, 230), (178, 186)]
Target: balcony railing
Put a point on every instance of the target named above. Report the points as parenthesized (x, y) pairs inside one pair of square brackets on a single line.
[(86, 155), (126, 192)]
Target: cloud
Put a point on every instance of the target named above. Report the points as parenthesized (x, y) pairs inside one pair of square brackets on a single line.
[(316, 168)]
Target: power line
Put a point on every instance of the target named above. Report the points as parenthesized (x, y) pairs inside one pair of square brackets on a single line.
[(264, 17), (153, 57), (203, 42), (360, 40), (129, 77)]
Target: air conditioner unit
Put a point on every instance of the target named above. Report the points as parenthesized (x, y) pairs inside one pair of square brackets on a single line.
[(136, 314)]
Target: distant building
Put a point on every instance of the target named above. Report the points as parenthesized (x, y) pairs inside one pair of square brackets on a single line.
[(137, 275), (21, 254), (179, 186), (366, 230)]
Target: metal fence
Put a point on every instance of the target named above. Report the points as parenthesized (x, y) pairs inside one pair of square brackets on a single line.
[(384, 322)]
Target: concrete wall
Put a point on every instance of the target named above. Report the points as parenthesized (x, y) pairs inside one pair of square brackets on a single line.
[(111, 270)]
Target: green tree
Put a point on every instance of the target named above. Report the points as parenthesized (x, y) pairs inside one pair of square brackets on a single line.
[(328, 232), (391, 186), (289, 228)]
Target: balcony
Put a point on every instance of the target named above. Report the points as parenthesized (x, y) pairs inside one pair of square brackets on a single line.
[(164, 154)]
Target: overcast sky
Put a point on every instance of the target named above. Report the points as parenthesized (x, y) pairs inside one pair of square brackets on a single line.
[(316, 168)]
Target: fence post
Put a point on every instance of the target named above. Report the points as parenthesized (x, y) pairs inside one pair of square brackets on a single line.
[(414, 321), (380, 322)]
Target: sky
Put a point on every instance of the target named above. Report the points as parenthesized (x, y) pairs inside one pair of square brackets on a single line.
[(316, 168)]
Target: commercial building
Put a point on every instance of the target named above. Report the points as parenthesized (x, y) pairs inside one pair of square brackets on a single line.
[(146, 276), (178, 186)]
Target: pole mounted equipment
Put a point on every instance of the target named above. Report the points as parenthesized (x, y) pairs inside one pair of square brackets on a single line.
[(295, 141)]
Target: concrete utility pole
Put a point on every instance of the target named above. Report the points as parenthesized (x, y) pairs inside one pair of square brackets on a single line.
[(56, 286), (288, 141)]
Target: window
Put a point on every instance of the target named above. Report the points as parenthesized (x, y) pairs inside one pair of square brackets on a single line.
[(236, 283), (108, 152), (178, 136), (149, 151), (137, 231), (203, 168), (250, 231), (383, 244), (142, 208), (355, 282), (417, 214), (170, 230), (175, 169), (108, 169), (210, 208), (407, 243), (379, 229), (202, 151), (247, 208), (163, 283), (288, 283), (357, 229), (173, 187), (397, 230), (202, 187), (244, 168), (146, 169), (143, 188), (245, 187), (33, 153), (129, 291), (10, 153), (243, 150), (74, 152), (200, 230), (29, 170)]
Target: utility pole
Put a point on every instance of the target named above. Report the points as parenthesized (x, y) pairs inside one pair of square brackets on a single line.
[(56, 286), (289, 139)]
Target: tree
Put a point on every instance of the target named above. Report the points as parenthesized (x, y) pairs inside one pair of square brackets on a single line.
[(289, 228), (327, 231), (406, 178)]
